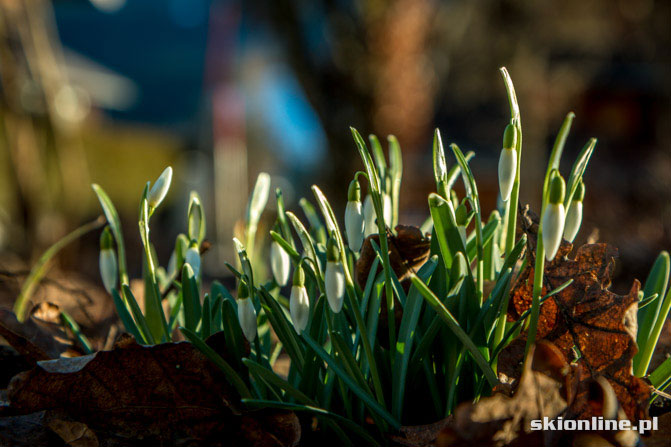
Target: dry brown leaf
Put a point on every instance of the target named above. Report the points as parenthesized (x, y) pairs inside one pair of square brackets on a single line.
[(501, 420), (28, 430), (408, 250), (30, 339), (74, 434), (166, 393), (600, 324), (420, 435)]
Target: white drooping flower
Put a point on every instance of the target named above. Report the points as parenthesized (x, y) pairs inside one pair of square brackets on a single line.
[(192, 258), (158, 192), (553, 218), (299, 304), (246, 313), (574, 215), (280, 264), (107, 261), (354, 218), (334, 277), (370, 217), (508, 162)]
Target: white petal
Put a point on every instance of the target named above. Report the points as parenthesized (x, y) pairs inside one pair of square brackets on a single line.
[(280, 264), (158, 192), (247, 318), (369, 217), (108, 268), (192, 258), (553, 228), (354, 225), (299, 308), (507, 171), (573, 221), (335, 285)]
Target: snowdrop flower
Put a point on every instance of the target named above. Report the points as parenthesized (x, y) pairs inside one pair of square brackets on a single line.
[(334, 277), (508, 162), (107, 260), (192, 258), (574, 215), (354, 219), (553, 217), (299, 304), (157, 192), (280, 264), (370, 216), (246, 313)]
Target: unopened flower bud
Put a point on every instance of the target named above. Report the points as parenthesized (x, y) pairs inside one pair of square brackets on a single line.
[(192, 258), (354, 219), (196, 219), (299, 304), (280, 264), (508, 162), (107, 261), (335, 276), (553, 217), (158, 192), (246, 313), (574, 215)]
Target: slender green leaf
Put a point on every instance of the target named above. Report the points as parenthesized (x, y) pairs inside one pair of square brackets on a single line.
[(454, 326), (406, 336), (233, 377), (356, 389)]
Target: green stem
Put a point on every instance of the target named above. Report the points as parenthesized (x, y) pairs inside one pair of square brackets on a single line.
[(39, 269), (539, 268)]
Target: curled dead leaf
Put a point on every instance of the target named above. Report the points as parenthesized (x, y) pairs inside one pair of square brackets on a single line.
[(408, 250), (30, 339), (585, 317), (165, 393)]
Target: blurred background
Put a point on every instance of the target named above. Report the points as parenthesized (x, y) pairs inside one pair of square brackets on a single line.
[(112, 91)]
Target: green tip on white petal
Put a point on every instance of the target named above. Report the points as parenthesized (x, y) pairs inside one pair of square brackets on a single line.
[(510, 137), (580, 192), (106, 239), (557, 188), (299, 276), (243, 290), (354, 191), (332, 251)]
